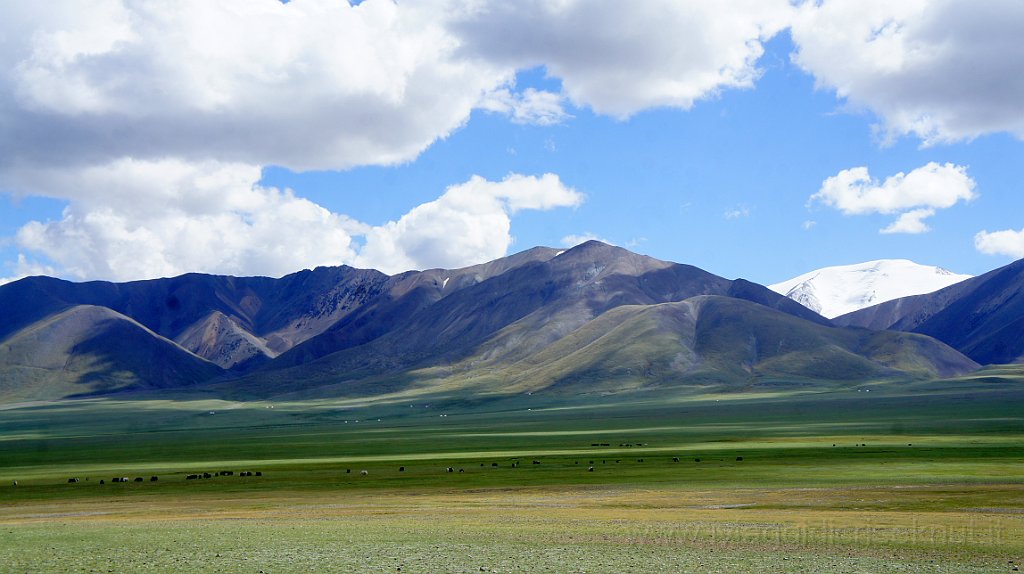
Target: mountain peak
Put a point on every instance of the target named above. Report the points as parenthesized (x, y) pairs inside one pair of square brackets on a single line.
[(837, 290)]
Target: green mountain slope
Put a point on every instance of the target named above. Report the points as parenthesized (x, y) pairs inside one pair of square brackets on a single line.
[(87, 350), (714, 340)]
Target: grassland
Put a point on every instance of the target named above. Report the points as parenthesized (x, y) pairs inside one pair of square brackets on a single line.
[(921, 477)]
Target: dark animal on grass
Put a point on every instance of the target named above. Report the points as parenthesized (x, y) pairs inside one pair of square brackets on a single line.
[(15, 483), (494, 464), (72, 480), (739, 458), (101, 482), (536, 462), (138, 479), (675, 459), (401, 469), (462, 470), (696, 460), (450, 469), (590, 469), (192, 477), (364, 472), (153, 479), (258, 473)]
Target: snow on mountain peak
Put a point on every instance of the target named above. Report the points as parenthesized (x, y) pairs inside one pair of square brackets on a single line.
[(835, 291)]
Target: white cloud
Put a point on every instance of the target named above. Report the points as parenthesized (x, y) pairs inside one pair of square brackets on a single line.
[(1007, 242), (135, 219), (532, 106), (574, 240), (469, 224), (915, 195), (328, 85), (622, 57), (24, 268), (737, 212), (304, 84), (154, 119), (808, 225), (911, 222), (942, 70)]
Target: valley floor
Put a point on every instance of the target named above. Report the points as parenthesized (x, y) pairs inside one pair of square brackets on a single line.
[(915, 482)]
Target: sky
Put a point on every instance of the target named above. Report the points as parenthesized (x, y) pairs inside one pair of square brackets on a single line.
[(752, 138)]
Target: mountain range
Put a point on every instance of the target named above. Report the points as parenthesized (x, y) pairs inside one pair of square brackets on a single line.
[(981, 317), (842, 289), (591, 319)]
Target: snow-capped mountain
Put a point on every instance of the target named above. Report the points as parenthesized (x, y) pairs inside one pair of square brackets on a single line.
[(835, 291)]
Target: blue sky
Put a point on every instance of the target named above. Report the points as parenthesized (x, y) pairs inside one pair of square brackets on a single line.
[(705, 150)]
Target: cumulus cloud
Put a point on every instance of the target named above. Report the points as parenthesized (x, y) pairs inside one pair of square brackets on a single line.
[(328, 85), (153, 120), (536, 107), (304, 84), (622, 57), (24, 268), (1007, 242), (216, 218), (942, 70), (914, 196), (135, 219), (911, 222), (470, 223)]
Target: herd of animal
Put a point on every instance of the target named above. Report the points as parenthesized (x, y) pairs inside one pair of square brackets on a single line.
[(76, 480), (249, 473)]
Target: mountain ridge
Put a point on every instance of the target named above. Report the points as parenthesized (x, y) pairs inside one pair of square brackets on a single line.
[(346, 330)]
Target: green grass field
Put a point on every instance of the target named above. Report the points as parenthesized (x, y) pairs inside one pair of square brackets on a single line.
[(921, 477)]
